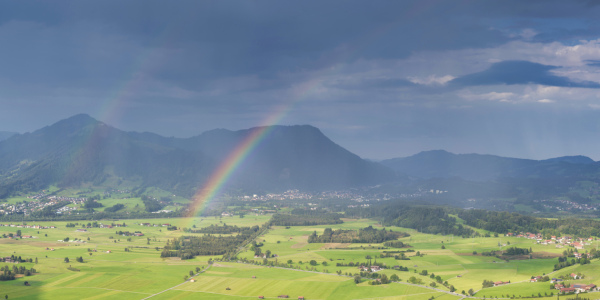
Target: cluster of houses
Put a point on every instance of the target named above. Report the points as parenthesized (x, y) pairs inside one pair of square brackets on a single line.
[(127, 233), (71, 199), (370, 268), (282, 297), (26, 207), (9, 259), (560, 241), (345, 194), (73, 241), (553, 280), (499, 283), (110, 225), (538, 278), (155, 225), (567, 205), (27, 226), (581, 255), (287, 195), (38, 196), (11, 236), (576, 288), (263, 255), (66, 209)]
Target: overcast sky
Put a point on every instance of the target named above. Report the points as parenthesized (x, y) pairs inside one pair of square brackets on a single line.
[(381, 78)]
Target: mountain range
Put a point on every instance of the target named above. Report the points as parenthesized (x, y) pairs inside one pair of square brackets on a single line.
[(81, 150)]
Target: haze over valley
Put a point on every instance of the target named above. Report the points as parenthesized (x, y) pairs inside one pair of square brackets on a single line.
[(81, 152)]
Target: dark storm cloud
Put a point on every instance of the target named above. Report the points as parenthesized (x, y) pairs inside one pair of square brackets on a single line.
[(222, 38), (162, 65), (593, 63), (562, 34), (519, 72), (205, 40)]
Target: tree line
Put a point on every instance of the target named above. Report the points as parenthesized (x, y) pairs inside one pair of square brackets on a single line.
[(306, 217), (442, 220), (217, 229), (504, 222), (363, 235), (427, 219), (188, 247), (8, 274)]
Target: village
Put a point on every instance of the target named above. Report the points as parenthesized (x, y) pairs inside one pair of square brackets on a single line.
[(567, 205), (559, 242), (42, 201), (351, 195)]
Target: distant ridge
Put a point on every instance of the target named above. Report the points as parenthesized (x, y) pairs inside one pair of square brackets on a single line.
[(478, 167), (6, 134), (578, 159)]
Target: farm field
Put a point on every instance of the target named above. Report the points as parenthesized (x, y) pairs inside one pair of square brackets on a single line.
[(130, 267)]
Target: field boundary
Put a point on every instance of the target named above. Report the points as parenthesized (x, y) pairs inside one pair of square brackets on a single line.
[(186, 281)]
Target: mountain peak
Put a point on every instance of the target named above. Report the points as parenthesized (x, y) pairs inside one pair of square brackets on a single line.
[(576, 159), (435, 152), (78, 119), (71, 125)]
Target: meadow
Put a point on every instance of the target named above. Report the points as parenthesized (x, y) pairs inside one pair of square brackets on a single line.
[(130, 267)]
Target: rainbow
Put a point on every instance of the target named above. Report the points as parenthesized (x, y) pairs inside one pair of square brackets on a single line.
[(217, 180), (222, 174), (234, 159), (204, 196)]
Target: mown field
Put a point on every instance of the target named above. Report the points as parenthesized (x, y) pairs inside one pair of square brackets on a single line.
[(139, 272)]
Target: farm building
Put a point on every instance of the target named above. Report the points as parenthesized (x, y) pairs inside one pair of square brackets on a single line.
[(567, 290)]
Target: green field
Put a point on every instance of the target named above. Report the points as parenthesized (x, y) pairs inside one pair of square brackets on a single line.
[(141, 272)]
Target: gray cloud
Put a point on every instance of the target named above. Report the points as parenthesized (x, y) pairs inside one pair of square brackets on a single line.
[(593, 63), (375, 83), (519, 72), (182, 67)]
